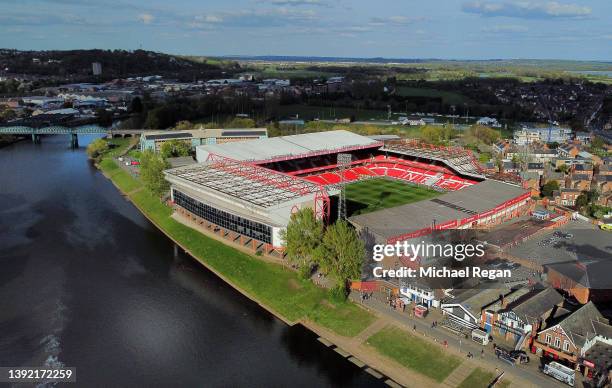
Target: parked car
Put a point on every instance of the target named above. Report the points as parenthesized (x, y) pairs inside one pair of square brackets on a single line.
[(512, 357)]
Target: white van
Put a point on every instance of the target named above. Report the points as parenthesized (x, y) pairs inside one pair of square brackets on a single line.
[(480, 336), (560, 372)]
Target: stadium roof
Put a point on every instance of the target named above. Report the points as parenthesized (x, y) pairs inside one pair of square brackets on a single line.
[(205, 133), (288, 147), (456, 205), (244, 182)]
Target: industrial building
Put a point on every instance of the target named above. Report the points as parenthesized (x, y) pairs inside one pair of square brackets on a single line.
[(153, 140)]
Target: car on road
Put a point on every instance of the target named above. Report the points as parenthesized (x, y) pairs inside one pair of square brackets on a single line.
[(607, 227), (512, 357)]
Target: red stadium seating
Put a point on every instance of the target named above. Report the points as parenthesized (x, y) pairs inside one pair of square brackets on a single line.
[(407, 170)]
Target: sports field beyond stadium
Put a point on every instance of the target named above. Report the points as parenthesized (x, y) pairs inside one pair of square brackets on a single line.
[(381, 193)]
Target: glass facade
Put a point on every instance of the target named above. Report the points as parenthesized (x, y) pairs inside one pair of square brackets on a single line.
[(256, 230)]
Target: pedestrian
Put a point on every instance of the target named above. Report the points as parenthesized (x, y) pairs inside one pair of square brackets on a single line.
[(481, 353), (413, 327)]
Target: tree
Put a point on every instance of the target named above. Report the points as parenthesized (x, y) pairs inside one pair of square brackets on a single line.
[(302, 238), (564, 168), (174, 148), (241, 123), (96, 149), (484, 134), (105, 118), (550, 187), (436, 134), (152, 168), (184, 125), (581, 201), (136, 105), (341, 253)]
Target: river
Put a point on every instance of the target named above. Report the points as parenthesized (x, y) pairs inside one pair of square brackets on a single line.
[(87, 282)]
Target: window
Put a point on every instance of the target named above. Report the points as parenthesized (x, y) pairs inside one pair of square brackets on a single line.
[(557, 342), (566, 346), (225, 220), (548, 339)]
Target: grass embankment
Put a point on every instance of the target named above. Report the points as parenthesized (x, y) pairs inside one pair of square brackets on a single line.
[(380, 193), (414, 353), (270, 284), (479, 378)]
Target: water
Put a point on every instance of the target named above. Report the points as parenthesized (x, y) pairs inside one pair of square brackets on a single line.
[(86, 281), (603, 73)]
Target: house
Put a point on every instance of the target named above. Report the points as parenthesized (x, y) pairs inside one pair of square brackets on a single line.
[(597, 351), (421, 292), (569, 333), (558, 177), (583, 137), (501, 148), (511, 167), (531, 181), (584, 155), (581, 182), (466, 308), (603, 183), (520, 318), (558, 162), (566, 197), (605, 200), (537, 167), (605, 169), (583, 169), (569, 151)]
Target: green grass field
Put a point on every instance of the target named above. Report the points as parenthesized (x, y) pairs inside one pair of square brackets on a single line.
[(480, 378), (414, 353), (381, 193), (447, 97)]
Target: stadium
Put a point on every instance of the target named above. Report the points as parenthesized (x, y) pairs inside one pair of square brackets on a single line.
[(397, 189)]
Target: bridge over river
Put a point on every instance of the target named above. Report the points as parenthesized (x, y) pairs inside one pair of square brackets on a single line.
[(36, 133)]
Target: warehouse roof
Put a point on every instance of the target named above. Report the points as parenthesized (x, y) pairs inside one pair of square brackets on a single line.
[(288, 147), (456, 205)]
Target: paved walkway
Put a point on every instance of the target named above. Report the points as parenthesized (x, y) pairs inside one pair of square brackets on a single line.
[(459, 374), (369, 331)]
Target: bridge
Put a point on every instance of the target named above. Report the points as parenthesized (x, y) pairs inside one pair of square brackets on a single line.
[(36, 133)]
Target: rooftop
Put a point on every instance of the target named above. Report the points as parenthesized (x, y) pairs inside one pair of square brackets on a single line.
[(244, 182), (456, 205), (289, 147)]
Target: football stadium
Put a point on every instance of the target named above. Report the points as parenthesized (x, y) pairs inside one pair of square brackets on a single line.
[(397, 189)]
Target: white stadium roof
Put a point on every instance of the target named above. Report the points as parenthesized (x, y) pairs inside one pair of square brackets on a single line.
[(287, 147)]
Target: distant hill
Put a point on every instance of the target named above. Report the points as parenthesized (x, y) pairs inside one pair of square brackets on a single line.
[(77, 64), (555, 64)]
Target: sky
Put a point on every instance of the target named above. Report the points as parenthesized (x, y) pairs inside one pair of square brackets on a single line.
[(446, 29)]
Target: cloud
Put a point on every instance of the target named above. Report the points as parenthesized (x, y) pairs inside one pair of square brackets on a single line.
[(23, 19), (527, 9), (260, 18), (146, 18), (505, 28), (395, 20), (296, 3)]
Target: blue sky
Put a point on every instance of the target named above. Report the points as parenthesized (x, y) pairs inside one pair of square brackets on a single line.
[(470, 29)]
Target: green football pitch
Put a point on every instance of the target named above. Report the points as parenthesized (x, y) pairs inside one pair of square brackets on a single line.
[(381, 193)]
